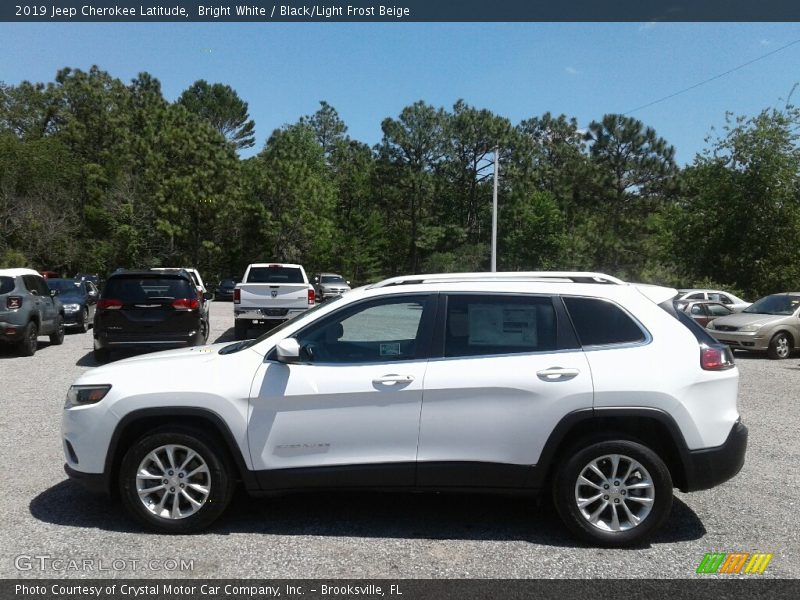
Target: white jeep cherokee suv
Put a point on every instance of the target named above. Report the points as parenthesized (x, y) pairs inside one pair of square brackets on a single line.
[(574, 384)]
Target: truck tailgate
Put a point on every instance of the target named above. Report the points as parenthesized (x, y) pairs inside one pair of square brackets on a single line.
[(274, 295)]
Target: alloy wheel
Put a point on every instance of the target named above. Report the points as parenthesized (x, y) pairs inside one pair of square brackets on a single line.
[(173, 481), (614, 493)]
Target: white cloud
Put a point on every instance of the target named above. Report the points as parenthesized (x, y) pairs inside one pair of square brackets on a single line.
[(571, 71)]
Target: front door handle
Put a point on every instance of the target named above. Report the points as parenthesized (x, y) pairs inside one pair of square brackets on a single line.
[(557, 374), (393, 379)]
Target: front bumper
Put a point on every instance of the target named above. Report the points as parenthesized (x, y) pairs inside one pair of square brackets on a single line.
[(741, 339), (96, 483), (710, 467), (73, 319)]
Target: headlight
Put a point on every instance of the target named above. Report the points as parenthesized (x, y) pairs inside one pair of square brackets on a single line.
[(72, 307), (80, 395), (751, 327)]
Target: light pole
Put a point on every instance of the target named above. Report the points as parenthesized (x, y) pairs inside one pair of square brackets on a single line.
[(494, 211)]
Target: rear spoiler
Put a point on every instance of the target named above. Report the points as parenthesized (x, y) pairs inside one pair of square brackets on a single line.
[(655, 293)]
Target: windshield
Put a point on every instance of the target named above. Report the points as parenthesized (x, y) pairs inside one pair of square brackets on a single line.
[(63, 285), (248, 343), (779, 304), (332, 279)]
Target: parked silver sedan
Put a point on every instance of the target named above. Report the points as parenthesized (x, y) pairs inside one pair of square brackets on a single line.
[(771, 325)]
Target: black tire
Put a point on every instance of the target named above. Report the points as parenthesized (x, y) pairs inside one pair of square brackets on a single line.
[(221, 478), (84, 320), (101, 355), (780, 346), (565, 494), (57, 337), (240, 328), (29, 343)]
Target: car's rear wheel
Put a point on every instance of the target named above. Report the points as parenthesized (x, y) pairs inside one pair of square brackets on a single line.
[(29, 342), (780, 346), (57, 337), (240, 329), (172, 481), (101, 355), (613, 493)]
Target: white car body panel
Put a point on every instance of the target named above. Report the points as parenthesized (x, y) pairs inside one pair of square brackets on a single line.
[(496, 408)]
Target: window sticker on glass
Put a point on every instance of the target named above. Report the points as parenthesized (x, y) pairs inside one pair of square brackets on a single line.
[(390, 349), (497, 324)]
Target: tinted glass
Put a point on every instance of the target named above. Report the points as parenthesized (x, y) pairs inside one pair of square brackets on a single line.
[(718, 310), (698, 296), (6, 284), (275, 275), (778, 304), (482, 325), (331, 279), (598, 322), (64, 285), (381, 331), (141, 289)]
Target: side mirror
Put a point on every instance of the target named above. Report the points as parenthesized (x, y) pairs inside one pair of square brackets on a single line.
[(207, 295), (53, 293), (288, 351), (316, 279), (348, 283)]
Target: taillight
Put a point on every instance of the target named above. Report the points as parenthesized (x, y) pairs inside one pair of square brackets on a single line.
[(237, 295), (311, 296), (13, 302), (185, 303), (716, 358), (109, 304)]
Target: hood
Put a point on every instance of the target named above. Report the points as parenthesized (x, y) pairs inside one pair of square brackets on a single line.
[(171, 360), (741, 318)]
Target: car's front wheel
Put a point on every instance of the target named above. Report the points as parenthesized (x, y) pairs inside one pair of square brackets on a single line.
[(613, 493), (176, 480), (780, 346)]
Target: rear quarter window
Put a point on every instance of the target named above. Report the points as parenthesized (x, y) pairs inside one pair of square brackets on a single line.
[(602, 323)]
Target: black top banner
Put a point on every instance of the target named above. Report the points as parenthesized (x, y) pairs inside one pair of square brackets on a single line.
[(402, 11)]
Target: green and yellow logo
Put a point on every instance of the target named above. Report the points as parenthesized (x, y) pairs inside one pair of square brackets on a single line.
[(734, 563)]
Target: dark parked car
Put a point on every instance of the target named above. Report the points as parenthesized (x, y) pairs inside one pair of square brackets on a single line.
[(28, 309), (79, 298), (148, 310), (93, 277), (703, 311), (225, 288)]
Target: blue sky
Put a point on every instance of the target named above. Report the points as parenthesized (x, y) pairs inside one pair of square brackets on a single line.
[(369, 71)]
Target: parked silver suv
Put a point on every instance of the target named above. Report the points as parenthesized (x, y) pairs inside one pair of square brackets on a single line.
[(28, 309), (330, 285)]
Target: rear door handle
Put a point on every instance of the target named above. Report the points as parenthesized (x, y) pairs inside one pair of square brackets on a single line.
[(393, 379), (557, 374)]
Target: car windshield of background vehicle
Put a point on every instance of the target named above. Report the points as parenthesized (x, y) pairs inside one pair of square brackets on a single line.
[(332, 279), (778, 304), (63, 285), (275, 275)]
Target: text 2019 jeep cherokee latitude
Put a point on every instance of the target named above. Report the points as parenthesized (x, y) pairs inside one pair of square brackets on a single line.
[(574, 384)]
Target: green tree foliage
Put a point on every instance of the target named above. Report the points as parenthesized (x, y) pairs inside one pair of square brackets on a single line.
[(222, 107), (738, 218), (96, 174)]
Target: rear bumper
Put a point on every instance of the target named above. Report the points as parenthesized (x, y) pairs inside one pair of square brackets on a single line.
[(712, 466), (267, 314), (162, 341)]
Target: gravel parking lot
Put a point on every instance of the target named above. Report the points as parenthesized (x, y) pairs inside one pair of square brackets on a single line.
[(381, 535)]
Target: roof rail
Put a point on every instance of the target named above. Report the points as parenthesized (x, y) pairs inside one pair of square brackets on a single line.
[(553, 276)]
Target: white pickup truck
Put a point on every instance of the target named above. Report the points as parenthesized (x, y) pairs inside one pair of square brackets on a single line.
[(269, 294)]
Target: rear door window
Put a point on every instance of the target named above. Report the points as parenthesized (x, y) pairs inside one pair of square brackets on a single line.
[(601, 323), (6, 284), (483, 324)]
